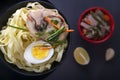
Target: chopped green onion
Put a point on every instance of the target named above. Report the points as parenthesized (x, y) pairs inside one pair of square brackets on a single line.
[(18, 27), (55, 22), (40, 33), (56, 43), (56, 34), (42, 45), (52, 31)]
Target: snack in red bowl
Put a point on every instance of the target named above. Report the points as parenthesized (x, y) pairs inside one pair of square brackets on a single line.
[(96, 25)]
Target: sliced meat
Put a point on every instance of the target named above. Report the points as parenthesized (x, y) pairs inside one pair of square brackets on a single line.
[(39, 6), (31, 24), (37, 15), (85, 25), (59, 19), (36, 22), (60, 23), (93, 21)]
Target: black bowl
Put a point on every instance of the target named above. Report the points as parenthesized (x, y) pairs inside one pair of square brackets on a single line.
[(3, 22)]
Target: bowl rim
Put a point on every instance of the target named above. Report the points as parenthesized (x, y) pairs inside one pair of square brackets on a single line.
[(14, 67), (111, 28)]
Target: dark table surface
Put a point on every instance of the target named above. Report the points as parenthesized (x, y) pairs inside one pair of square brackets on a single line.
[(98, 68)]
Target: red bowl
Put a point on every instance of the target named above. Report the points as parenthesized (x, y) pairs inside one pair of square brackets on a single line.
[(111, 25)]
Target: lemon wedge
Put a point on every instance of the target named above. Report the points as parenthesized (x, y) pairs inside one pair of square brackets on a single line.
[(81, 56)]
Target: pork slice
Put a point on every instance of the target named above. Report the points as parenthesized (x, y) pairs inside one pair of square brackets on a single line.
[(31, 24), (85, 25), (93, 21), (37, 15), (40, 6)]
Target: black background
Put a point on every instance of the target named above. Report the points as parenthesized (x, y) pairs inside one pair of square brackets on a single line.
[(98, 68)]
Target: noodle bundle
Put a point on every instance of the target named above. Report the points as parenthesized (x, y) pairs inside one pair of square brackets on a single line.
[(13, 41)]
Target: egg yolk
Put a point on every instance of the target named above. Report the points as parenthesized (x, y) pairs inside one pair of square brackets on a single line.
[(39, 53)]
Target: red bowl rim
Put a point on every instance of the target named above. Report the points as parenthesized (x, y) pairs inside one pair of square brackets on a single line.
[(111, 23)]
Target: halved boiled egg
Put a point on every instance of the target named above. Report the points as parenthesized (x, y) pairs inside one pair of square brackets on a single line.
[(38, 52)]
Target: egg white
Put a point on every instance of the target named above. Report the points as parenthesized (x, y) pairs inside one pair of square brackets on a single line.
[(29, 57)]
